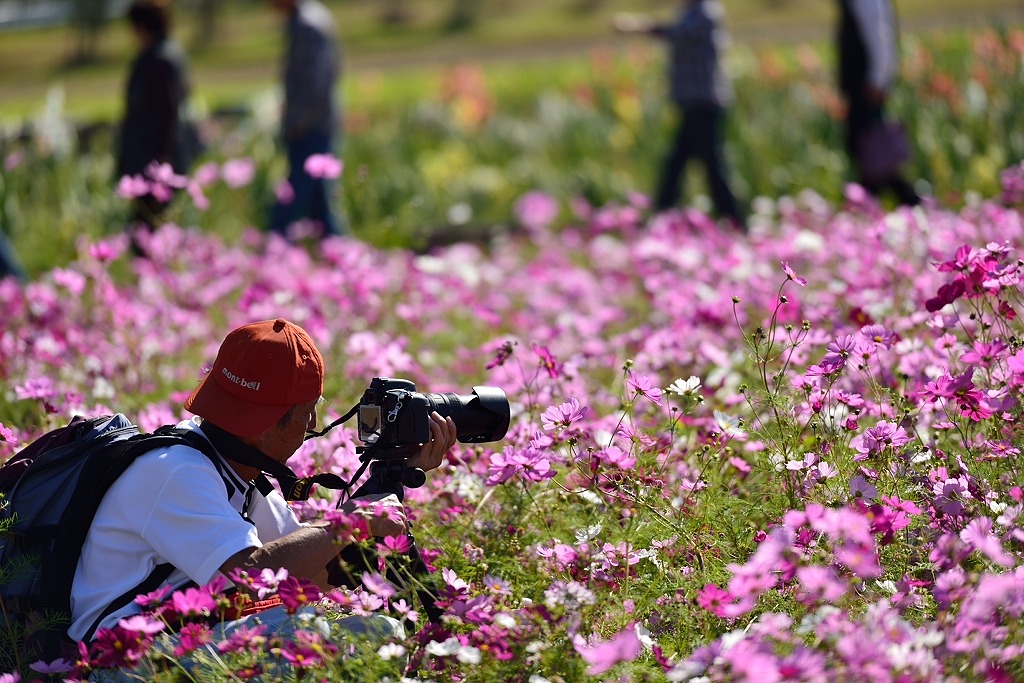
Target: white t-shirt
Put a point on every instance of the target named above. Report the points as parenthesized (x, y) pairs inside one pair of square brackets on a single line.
[(170, 505)]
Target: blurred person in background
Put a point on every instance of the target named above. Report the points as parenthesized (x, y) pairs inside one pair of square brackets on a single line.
[(702, 94), (868, 57), (310, 114), (156, 127)]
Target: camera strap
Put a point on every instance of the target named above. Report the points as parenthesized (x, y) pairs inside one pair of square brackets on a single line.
[(292, 486)]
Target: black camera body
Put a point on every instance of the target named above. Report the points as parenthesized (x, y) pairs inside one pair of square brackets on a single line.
[(393, 414)]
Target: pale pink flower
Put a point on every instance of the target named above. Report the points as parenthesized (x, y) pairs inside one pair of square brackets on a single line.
[(563, 415), (978, 534), (791, 275), (238, 172), (536, 210), (323, 166), (644, 386), (603, 655), (132, 186), (284, 192)]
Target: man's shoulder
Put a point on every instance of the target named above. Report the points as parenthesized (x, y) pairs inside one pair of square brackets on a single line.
[(169, 456)]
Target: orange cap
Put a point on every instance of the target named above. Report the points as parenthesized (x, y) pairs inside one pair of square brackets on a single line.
[(262, 370)]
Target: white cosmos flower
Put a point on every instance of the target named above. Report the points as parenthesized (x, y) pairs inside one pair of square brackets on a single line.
[(685, 387)]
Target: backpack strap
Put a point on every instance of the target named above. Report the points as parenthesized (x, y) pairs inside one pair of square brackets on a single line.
[(122, 454), (156, 578), (292, 487)]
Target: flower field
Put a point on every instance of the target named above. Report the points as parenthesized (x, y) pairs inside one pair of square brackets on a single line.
[(787, 455)]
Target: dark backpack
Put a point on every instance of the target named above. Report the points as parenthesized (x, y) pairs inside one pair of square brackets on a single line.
[(50, 493)]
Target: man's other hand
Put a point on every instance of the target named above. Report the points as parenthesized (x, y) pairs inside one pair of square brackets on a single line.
[(443, 435)]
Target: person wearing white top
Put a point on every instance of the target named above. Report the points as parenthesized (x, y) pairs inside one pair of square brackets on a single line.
[(206, 516)]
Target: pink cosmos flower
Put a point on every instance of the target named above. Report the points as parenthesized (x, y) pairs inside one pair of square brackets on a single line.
[(117, 648), (547, 360), (347, 527), (199, 199), (378, 585), (162, 193), (405, 610), (819, 584), (503, 353), (841, 348), (6, 434), (714, 599), (861, 560), (740, 464), (951, 494), (191, 637), (791, 275), (154, 598), (459, 586), (862, 488), (142, 624), (983, 353), (36, 388), (564, 415), (301, 657), (978, 534), (394, 545), (529, 463), (132, 186), (323, 166), (238, 172), (962, 260), (164, 174), (643, 385), (603, 655), (296, 592), (244, 637), (536, 210), (193, 602), (57, 666), (947, 294), (284, 192), (206, 174), (879, 334), (616, 457), (107, 251), (883, 436)]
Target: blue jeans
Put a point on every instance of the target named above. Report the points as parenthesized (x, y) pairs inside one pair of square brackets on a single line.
[(312, 196)]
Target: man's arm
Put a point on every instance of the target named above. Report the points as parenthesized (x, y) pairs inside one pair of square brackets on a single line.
[(306, 552), (303, 553)]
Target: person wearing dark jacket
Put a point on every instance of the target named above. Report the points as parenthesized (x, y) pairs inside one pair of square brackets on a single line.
[(154, 129), (702, 94), (867, 67), (310, 113)]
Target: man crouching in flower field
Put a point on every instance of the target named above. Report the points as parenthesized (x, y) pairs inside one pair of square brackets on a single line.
[(170, 507)]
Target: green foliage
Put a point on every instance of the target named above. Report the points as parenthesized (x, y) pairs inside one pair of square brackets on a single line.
[(451, 153)]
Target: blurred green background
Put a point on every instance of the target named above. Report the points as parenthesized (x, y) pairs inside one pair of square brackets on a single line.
[(454, 110), (234, 44)]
